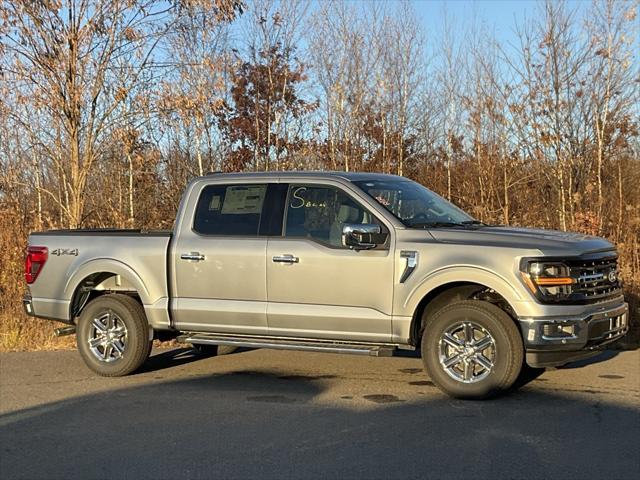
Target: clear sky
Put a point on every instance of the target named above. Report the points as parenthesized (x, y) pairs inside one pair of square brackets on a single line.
[(498, 16)]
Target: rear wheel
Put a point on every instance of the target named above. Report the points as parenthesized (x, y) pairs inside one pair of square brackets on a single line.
[(472, 349), (113, 335)]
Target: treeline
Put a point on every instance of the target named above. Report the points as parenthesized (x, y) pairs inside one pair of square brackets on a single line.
[(109, 107)]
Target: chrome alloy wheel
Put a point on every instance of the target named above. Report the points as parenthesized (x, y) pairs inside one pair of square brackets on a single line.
[(467, 352), (107, 337)]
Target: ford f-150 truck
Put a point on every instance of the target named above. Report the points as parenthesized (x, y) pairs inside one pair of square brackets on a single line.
[(336, 262)]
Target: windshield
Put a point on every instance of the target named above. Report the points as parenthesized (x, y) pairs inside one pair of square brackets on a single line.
[(414, 205)]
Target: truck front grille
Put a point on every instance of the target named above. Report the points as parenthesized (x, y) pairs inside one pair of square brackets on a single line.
[(597, 279)]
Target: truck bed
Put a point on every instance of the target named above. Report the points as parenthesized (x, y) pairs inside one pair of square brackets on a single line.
[(133, 259)]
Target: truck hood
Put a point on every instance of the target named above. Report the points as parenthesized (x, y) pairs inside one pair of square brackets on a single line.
[(549, 242)]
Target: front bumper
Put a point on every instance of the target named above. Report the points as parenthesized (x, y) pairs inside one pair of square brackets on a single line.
[(554, 341)]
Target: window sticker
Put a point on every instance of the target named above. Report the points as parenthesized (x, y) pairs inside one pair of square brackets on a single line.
[(214, 205), (244, 199)]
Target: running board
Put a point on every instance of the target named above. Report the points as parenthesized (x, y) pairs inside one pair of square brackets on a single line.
[(373, 350)]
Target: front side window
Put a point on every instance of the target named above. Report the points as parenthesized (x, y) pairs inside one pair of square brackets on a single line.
[(230, 210), (319, 212), (414, 205)]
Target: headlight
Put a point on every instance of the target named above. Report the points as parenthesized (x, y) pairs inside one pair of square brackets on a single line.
[(551, 280)]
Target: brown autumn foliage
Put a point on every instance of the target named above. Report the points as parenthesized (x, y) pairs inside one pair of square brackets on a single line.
[(263, 95), (108, 109)]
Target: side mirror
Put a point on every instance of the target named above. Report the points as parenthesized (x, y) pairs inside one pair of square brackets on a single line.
[(362, 236)]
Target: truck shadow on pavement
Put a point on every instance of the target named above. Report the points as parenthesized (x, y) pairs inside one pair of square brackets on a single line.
[(170, 358), (176, 357), (248, 424)]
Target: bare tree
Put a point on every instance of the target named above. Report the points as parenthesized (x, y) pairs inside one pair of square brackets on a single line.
[(75, 66), (193, 93), (612, 29), (450, 83)]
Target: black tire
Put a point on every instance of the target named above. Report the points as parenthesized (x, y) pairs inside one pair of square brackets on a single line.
[(213, 350), (135, 344), (505, 350)]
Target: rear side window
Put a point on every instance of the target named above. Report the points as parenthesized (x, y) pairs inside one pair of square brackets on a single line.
[(230, 210)]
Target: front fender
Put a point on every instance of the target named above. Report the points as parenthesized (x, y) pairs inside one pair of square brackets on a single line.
[(457, 274)]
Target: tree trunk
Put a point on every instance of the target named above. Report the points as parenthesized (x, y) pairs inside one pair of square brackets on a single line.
[(562, 212), (36, 164), (505, 186), (620, 203), (131, 212)]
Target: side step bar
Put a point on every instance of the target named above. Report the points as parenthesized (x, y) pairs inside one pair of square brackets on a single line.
[(279, 343)]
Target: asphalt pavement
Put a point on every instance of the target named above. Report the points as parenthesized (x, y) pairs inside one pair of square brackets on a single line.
[(274, 414)]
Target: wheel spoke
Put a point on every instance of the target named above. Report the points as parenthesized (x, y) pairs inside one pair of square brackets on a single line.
[(483, 343), (108, 348), (468, 332), (468, 369), (98, 325), (110, 321), (451, 361), (118, 332), (96, 342), (452, 341), (483, 361), (119, 348)]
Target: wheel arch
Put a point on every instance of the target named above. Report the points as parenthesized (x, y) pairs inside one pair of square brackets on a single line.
[(445, 293), (97, 278)]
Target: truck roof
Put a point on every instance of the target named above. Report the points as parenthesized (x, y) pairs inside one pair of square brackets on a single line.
[(349, 176)]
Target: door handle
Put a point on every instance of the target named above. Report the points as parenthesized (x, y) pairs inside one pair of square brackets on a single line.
[(192, 256), (285, 259)]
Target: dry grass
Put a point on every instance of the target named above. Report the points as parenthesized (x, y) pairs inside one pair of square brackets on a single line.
[(18, 332), (21, 333)]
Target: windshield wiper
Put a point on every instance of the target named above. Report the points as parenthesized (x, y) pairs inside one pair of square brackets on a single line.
[(474, 222), (466, 223), (435, 224)]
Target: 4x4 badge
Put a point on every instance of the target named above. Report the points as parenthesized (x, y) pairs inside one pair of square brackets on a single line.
[(65, 251)]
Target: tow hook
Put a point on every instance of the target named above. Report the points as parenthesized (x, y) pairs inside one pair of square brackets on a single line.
[(61, 332)]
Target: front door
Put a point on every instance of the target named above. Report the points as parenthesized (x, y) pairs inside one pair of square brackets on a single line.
[(219, 262), (316, 287)]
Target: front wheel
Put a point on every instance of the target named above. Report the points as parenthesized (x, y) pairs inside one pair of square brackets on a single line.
[(472, 349), (113, 335)]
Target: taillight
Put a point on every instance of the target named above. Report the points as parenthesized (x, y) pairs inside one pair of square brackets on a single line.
[(36, 258)]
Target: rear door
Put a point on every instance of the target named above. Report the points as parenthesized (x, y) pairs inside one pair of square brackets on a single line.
[(316, 287), (219, 260)]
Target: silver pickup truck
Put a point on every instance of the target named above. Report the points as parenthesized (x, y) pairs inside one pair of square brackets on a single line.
[(335, 262)]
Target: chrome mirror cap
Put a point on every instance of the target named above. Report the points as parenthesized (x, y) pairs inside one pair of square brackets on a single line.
[(362, 236)]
